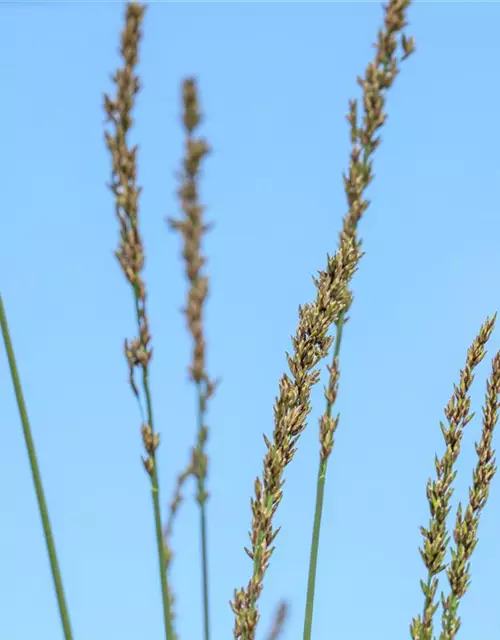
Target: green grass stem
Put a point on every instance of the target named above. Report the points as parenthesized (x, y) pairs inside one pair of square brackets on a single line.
[(203, 523), (30, 446), (318, 511)]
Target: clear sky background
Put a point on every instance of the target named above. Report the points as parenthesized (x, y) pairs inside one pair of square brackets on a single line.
[(275, 79)]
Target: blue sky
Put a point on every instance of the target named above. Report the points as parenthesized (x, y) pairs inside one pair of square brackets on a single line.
[(275, 79)]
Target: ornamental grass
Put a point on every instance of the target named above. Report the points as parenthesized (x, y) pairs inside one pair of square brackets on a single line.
[(446, 554)]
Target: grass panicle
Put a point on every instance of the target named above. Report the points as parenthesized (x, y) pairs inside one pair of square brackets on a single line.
[(192, 228), (466, 526), (130, 255), (311, 343), (379, 77), (440, 491)]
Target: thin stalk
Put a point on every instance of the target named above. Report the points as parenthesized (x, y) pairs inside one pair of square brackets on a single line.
[(130, 255), (204, 557), (364, 142), (428, 602), (320, 493), (203, 520), (167, 614), (192, 228), (30, 446), (155, 492)]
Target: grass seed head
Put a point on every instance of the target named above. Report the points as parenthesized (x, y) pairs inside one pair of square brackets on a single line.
[(440, 491), (130, 253), (466, 525), (311, 342)]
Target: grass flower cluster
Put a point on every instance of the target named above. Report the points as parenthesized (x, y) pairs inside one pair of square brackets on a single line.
[(320, 327)]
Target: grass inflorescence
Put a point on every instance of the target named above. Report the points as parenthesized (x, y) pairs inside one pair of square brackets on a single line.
[(130, 255)]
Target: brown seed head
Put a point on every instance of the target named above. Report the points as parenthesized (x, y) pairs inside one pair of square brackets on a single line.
[(328, 424), (192, 229), (466, 526), (130, 253), (440, 491), (311, 342)]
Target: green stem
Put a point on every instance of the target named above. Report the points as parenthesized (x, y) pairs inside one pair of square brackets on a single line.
[(313, 561), (204, 556), (427, 603), (320, 493), (155, 491), (30, 445), (203, 520)]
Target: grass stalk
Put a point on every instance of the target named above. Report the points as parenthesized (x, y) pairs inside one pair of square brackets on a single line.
[(379, 77), (37, 479), (311, 342), (130, 255), (204, 560), (155, 494), (203, 526), (320, 490), (192, 228)]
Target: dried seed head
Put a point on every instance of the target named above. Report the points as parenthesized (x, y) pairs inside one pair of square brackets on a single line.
[(440, 491), (130, 252), (192, 229), (311, 342), (328, 425), (466, 525), (151, 440), (148, 465)]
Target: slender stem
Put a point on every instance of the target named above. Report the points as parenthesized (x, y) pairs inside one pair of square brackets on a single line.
[(427, 603), (313, 561), (30, 445), (320, 493), (203, 519), (155, 491), (204, 556)]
